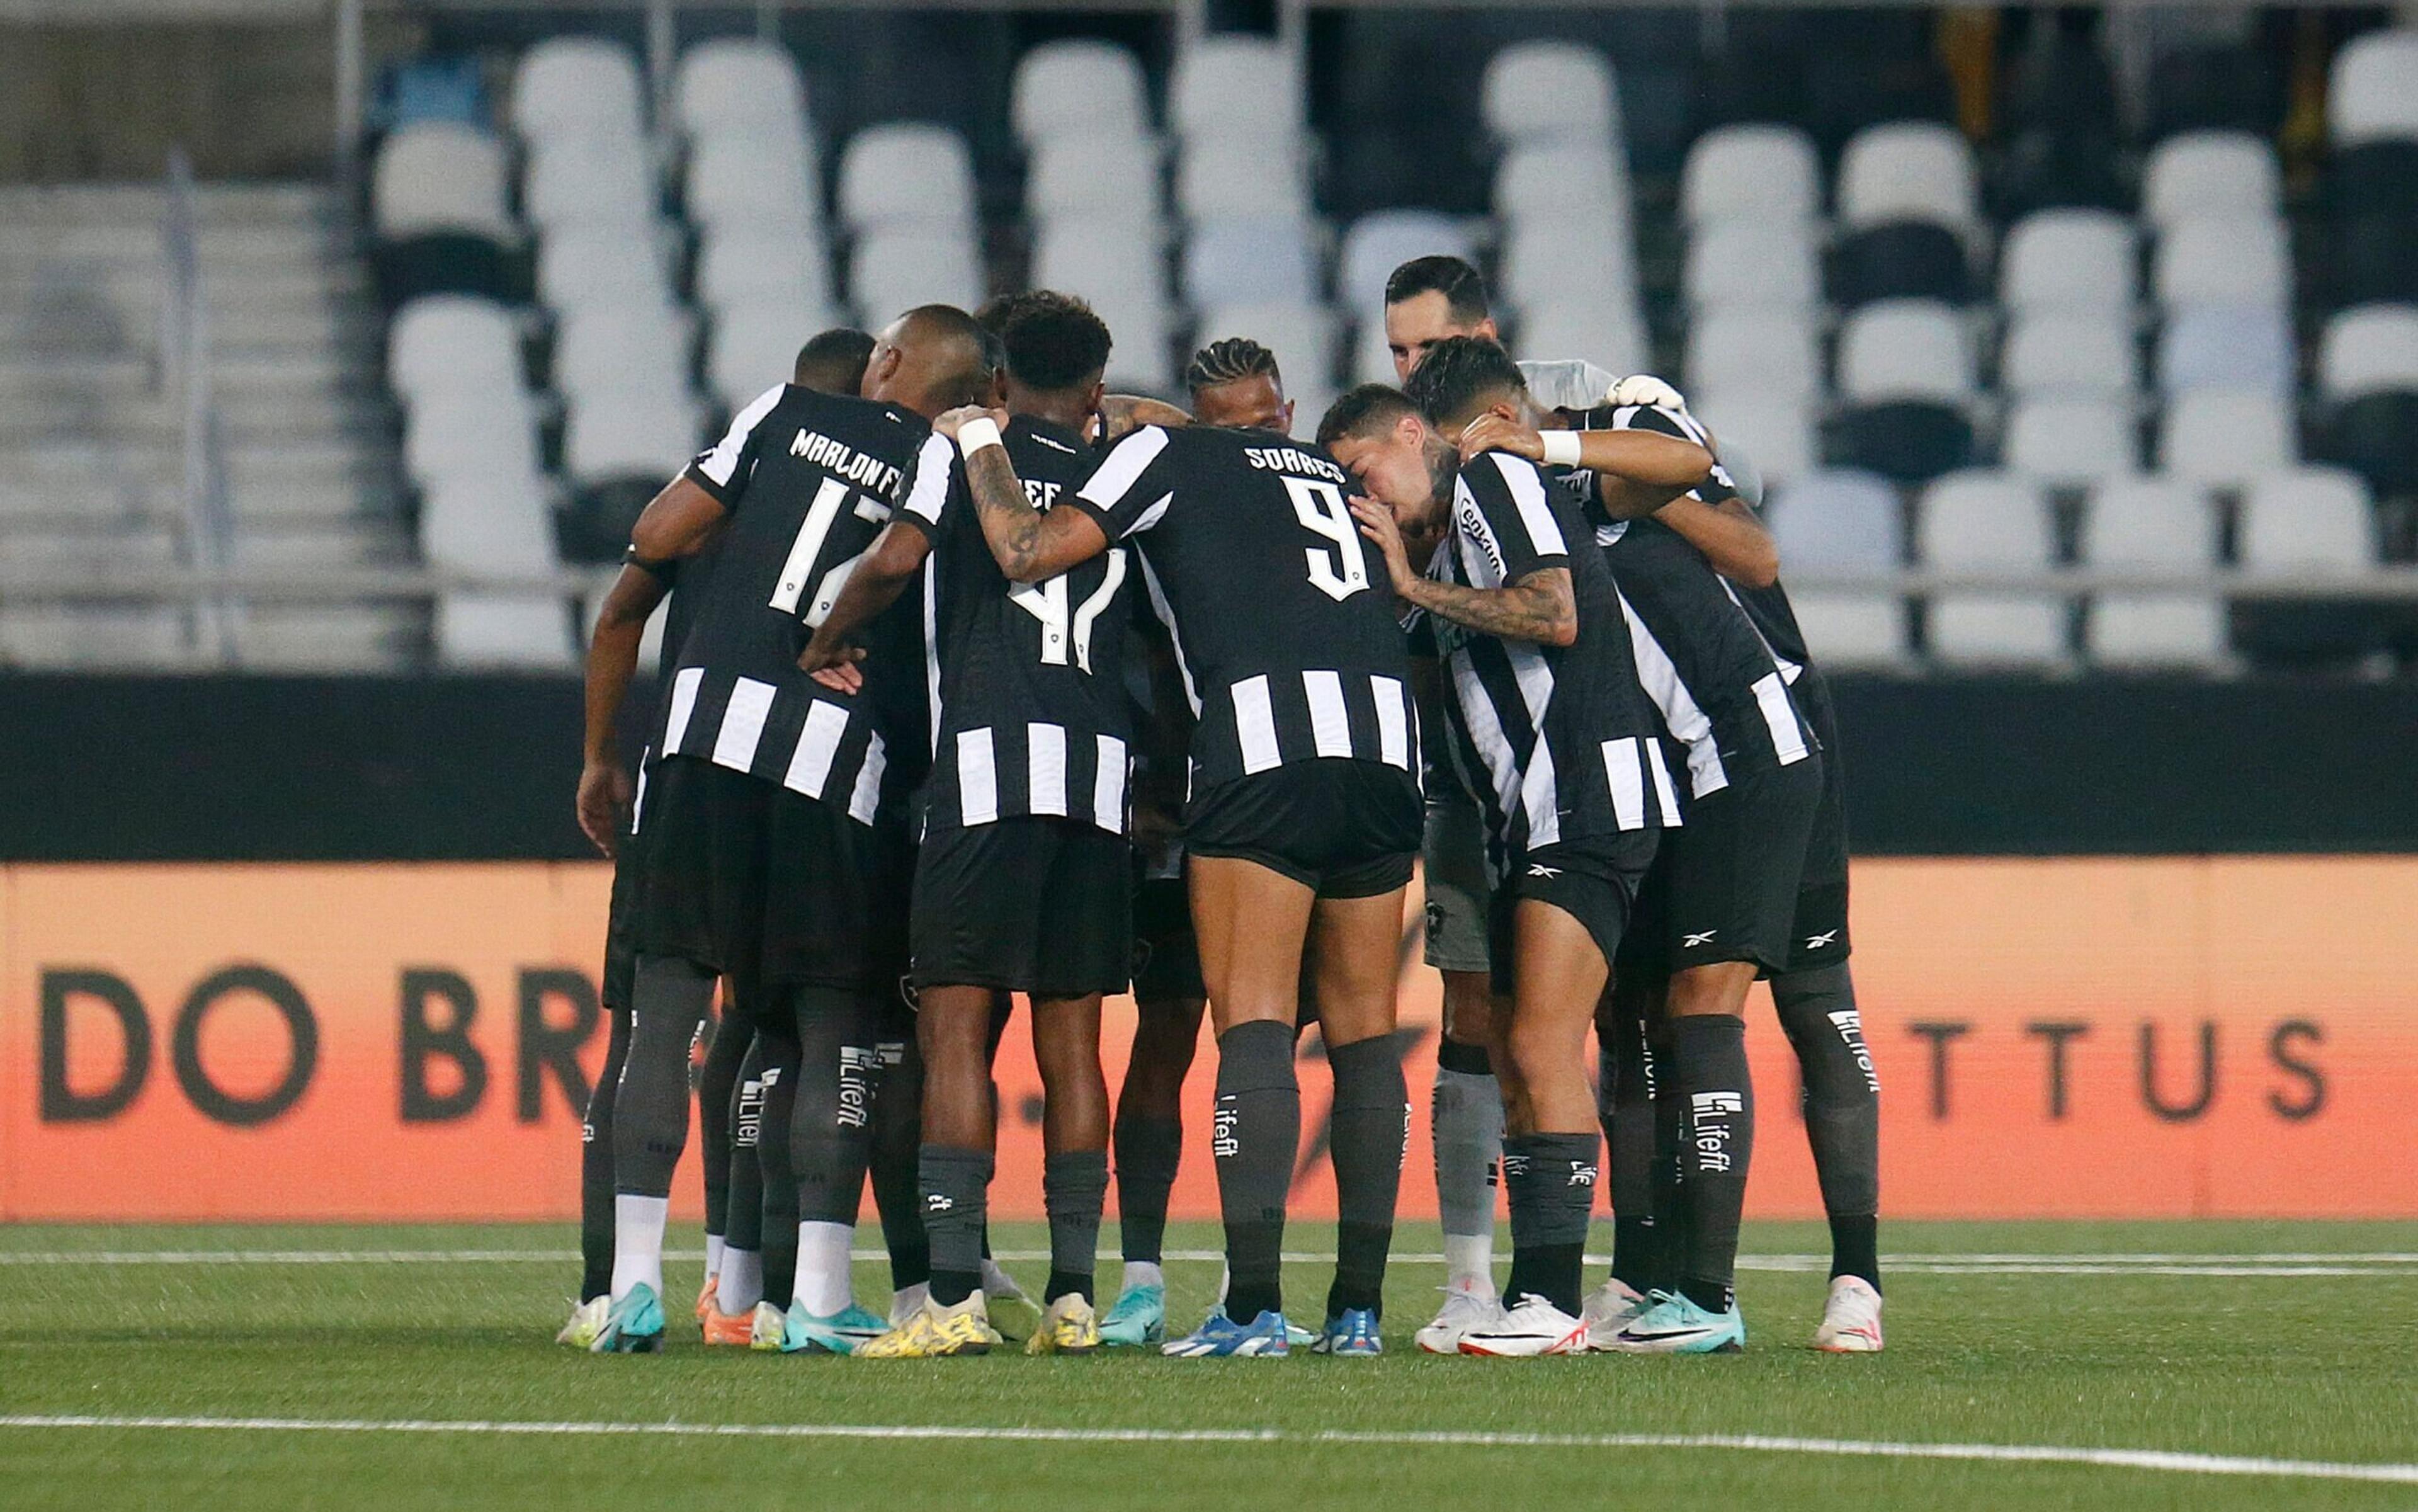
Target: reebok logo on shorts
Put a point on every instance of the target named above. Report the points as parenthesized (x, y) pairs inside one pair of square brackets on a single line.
[(1817, 942), (1544, 871), (1692, 941)]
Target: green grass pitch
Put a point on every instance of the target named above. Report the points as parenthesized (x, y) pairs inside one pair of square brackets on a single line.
[(2169, 1344)]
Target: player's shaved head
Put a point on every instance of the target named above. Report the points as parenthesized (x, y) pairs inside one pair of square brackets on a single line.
[(1462, 378), (1429, 300), (934, 358), (833, 362)]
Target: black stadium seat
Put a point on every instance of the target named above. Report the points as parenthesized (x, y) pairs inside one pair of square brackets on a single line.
[(447, 261), (2215, 89), (1907, 440), (2374, 178), (2375, 259), (2047, 170), (1901, 259), (2375, 435)]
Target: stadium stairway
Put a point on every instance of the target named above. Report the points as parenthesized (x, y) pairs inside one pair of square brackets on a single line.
[(97, 449)]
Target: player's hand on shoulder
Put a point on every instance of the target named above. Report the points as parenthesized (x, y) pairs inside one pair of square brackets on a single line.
[(1492, 432), (953, 420), (604, 799), (1648, 389)]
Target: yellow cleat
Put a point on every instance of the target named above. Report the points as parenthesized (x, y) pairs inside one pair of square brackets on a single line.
[(1069, 1327), (935, 1332), (765, 1328)]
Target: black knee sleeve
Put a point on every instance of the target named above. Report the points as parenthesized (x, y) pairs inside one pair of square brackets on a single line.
[(717, 1091), (898, 1149), (831, 1119), (669, 999), (596, 1163), (1843, 1094), (742, 1225), (776, 1048)]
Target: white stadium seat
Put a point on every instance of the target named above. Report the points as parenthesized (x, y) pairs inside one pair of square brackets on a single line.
[(600, 181), (607, 348), (1235, 86), (1077, 176), (2078, 260), (472, 522), (1774, 430), (1232, 179), (1302, 336), (575, 86), (2312, 520), (1121, 272), (752, 347), (742, 179), (440, 175), (2221, 347), (2161, 527), (628, 433), (2373, 92), (1908, 171), (2227, 437), (1078, 90), (1989, 521), (896, 269), (1548, 90), (586, 265), (738, 85), (905, 172), (2369, 349), (467, 433), (1758, 172), (764, 269), (2199, 175), (1563, 266), (1842, 522), (1895, 349), (2237, 261), (1599, 329), (1248, 262), (1754, 349), (1382, 241), (1749, 261), (2070, 439), (443, 341), (2068, 354), (504, 630)]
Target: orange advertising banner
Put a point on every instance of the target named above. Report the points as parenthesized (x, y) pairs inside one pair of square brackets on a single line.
[(2135, 1038)]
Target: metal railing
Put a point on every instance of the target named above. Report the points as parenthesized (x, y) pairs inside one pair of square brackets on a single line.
[(185, 376)]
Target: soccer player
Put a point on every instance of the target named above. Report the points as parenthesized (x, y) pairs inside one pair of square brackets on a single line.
[(769, 834), (1545, 703), (1022, 881), (1302, 824)]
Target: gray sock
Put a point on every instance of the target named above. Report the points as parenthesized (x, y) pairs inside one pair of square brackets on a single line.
[(669, 999), (1254, 1135), (1467, 1124), (1074, 1188), (956, 1192), (1372, 1125)]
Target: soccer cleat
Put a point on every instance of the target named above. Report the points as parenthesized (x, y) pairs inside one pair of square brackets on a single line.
[(844, 1331), (709, 1297), (907, 1302), (1012, 1313), (1535, 1326), (1608, 1310), (587, 1322), (1352, 1335), (1220, 1337), (1851, 1319), (766, 1327), (936, 1333), (1069, 1327), (633, 1325), (1299, 1336), (737, 1330), (1464, 1307), (1671, 1325), (1139, 1317)]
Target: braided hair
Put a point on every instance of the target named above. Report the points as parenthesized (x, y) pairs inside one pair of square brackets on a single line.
[(1230, 361)]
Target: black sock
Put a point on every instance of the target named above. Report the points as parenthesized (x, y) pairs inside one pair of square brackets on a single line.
[(957, 1190), (1842, 1107), (1669, 1202), (1552, 1179), (1636, 1253), (1254, 1136), (1625, 1105), (1074, 1188), (1855, 1248), (1468, 1060), (596, 1164), (898, 1149), (1717, 1097), (1371, 1122), (670, 999), (779, 1044), (1148, 1153)]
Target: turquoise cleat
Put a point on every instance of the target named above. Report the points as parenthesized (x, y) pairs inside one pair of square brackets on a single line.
[(1671, 1325), (1139, 1318), (1352, 1335), (802, 1333), (634, 1324)]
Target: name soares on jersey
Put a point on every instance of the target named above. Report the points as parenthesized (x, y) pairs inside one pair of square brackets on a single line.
[(1286, 459), (871, 474)]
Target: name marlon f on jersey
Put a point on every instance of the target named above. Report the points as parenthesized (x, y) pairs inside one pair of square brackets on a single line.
[(875, 475)]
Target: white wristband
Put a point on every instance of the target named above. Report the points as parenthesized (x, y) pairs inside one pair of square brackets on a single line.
[(974, 435), (1561, 448)]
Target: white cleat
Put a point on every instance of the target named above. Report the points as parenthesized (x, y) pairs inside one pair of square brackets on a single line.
[(907, 1302), (1608, 1310), (1534, 1327), (1851, 1319), (1465, 1307), (587, 1322)]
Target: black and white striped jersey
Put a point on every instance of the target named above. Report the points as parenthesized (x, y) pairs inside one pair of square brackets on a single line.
[(1248, 549), (809, 480), (1560, 741), (1030, 710), (1721, 691)]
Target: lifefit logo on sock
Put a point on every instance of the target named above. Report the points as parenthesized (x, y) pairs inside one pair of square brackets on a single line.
[(1709, 1129), (860, 1071), (1850, 1024), (1515, 1168), (1582, 1175), (1822, 940), (936, 1202), (748, 1127), (1695, 941), (1224, 1141)]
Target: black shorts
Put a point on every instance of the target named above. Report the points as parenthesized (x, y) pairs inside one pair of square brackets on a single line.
[(747, 878), (1725, 888), (1034, 904), (1818, 937), (1593, 879), (1167, 953), (1344, 829)]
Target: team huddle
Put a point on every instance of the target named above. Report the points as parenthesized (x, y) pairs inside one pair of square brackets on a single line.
[(980, 682)]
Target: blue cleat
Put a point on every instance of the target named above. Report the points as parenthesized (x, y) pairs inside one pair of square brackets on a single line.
[(634, 1324), (1671, 1325), (1220, 1337), (802, 1333), (1352, 1336), (1139, 1318)]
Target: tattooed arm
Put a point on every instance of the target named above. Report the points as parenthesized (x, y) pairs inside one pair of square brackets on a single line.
[(1031, 545), (1539, 607)]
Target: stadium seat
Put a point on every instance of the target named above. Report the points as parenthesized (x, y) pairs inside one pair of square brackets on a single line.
[(1775, 431), (766, 268), (1748, 262), (2244, 261), (588, 181), (1379, 243), (2070, 353), (1598, 330), (2215, 346), (2224, 176), (1233, 179), (618, 447), (1554, 178), (452, 341), (1904, 349), (738, 86), (2051, 170), (1122, 271), (2369, 349), (1546, 90), (1762, 173), (1899, 260), (907, 174), (2371, 261), (2373, 91), (1842, 522), (2153, 528), (1302, 336), (1908, 171), (1989, 521), (471, 433), (575, 86), (2375, 435), (1910, 440), (1577, 261), (752, 347), (436, 207), (2070, 260), (497, 630), (1079, 90), (2067, 441), (1372, 360), (1248, 262), (2315, 522), (1234, 86), (910, 264), (2221, 88), (609, 349), (588, 265), (1081, 177), (2227, 439), (735, 180), (469, 522), (1752, 349)]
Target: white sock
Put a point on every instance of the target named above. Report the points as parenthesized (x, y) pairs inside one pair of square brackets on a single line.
[(638, 1242), (824, 1285), (1143, 1272), (1469, 1262), (713, 1248), (740, 1282)]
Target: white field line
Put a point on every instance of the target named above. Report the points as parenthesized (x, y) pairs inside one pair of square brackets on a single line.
[(2372, 1264), (2055, 1454)]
